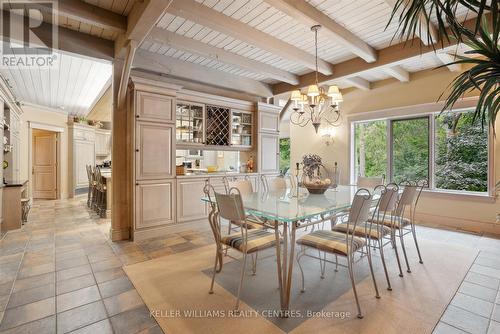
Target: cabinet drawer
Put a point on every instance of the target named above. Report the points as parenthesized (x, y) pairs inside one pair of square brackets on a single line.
[(154, 203), (155, 107)]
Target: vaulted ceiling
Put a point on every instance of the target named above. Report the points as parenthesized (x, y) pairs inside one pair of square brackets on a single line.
[(260, 47)]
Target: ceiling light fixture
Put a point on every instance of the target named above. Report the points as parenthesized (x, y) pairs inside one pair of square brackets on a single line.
[(317, 105)]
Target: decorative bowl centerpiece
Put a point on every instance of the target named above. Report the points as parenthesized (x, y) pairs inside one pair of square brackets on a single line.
[(313, 173)]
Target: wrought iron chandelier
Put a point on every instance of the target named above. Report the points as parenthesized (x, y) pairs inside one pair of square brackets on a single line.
[(318, 105)]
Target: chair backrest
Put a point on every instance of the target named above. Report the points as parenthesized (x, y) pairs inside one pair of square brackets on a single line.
[(230, 206), (410, 197), (273, 184), (369, 182), (388, 198), (244, 186), (360, 207), (89, 174), (97, 176)]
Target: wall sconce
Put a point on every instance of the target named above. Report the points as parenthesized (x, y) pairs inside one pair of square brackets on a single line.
[(327, 133)]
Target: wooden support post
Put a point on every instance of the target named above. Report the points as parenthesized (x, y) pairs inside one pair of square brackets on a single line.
[(122, 189)]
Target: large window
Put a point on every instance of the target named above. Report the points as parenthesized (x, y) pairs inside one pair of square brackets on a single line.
[(446, 149), (461, 153), (370, 151), (410, 149), (284, 155)]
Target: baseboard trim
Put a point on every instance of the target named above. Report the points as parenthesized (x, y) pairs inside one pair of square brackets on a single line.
[(477, 227), (158, 231), (119, 234)]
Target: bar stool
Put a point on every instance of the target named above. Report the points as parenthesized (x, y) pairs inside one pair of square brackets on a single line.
[(101, 193), (90, 177), (25, 209)]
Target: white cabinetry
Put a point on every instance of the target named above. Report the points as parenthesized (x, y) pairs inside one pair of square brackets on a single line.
[(102, 143), (13, 134), (153, 155), (82, 153), (269, 152), (189, 204)]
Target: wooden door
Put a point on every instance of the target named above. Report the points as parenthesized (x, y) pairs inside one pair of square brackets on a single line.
[(44, 164), (155, 152), (269, 148)]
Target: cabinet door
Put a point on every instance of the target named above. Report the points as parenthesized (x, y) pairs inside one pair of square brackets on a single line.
[(84, 153), (268, 122), (189, 203), (154, 204), (269, 153), (155, 107), (155, 151)]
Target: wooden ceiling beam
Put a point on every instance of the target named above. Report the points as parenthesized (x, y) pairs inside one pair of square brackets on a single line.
[(181, 69), (358, 83), (68, 40), (86, 13), (203, 15), (447, 58), (426, 32), (398, 72), (140, 21), (308, 15), (179, 42), (387, 57)]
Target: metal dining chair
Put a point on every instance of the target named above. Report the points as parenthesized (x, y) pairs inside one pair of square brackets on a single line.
[(246, 241), (402, 219), (377, 233), (245, 188), (342, 244), (369, 182), (273, 184)]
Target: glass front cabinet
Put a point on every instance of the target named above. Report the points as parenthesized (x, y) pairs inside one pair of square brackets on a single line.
[(241, 129), (190, 123), (199, 124)]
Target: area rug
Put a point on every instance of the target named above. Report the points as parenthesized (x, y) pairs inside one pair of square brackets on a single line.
[(175, 289)]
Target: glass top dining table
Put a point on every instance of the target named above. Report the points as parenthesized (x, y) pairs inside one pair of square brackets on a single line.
[(286, 206), (289, 210)]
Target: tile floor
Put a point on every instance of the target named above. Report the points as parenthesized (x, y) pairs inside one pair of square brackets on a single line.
[(475, 308), (62, 274)]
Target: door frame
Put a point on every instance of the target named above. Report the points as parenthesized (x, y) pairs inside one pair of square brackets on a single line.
[(58, 131)]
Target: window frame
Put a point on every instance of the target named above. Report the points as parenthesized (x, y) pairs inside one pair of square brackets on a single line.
[(431, 116)]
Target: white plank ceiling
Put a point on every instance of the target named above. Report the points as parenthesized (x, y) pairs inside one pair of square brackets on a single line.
[(71, 87), (78, 81), (366, 19)]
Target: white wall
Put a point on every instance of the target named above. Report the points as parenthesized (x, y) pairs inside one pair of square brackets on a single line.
[(390, 97), (44, 116)]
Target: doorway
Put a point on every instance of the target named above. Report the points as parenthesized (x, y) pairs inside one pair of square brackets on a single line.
[(44, 164)]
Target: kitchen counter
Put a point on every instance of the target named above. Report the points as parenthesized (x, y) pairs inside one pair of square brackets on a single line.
[(215, 174), (15, 183)]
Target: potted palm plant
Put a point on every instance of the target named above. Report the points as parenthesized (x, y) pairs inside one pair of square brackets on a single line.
[(483, 58)]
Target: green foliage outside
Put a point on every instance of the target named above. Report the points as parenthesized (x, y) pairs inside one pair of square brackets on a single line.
[(461, 152), (371, 148), (410, 149), (284, 155)]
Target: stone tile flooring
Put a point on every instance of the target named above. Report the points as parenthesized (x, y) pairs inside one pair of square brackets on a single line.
[(61, 273), (475, 308)]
